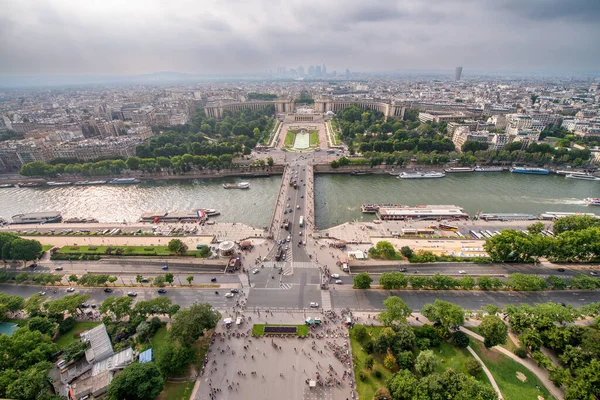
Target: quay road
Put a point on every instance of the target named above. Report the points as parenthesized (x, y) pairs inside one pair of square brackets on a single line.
[(297, 299)]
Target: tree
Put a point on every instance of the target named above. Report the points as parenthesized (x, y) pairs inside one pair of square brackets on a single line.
[(359, 332), (382, 394), (535, 229), (402, 385), (41, 324), (189, 279), (407, 252), (190, 323), (112, 279), (10, 303), (466, 282), (393, 280), (176, 246), (159, 281), (574, 223), (136, 382), (526, 282), (24, 249), (556, 282), (390, 361), (484, 282), (473, 367), (396, 311), (73, 278), (117, 307), (173, 359), (493, 330), (383, 249), (460, 339), (362, 281), (474, 145), (169, 278), (68, 304), (445, 313), (270, 161), (425, 362), (74, 351), (31, 383)]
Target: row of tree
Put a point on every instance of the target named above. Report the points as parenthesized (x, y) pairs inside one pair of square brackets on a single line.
[(577, 238), (12, 247)]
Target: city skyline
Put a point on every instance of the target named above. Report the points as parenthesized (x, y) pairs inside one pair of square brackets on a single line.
[(226, 38)]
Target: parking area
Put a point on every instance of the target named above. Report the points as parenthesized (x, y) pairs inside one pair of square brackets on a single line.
[(277, 367)]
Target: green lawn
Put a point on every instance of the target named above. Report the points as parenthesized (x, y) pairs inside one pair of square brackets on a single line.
[(289, 139), (127, 250), (453, 357), (505, 371), (159, 339), (314, 139), (176, 391), (259, 329), (73, 335), (46, 247), (366, 388)]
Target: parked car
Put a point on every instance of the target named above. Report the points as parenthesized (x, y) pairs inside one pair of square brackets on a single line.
[(132, 294), (255, 271), (335, 276), (70, 290), (462, 271), (234, 291), (165, 267), (338, 282), (229, 295), (58, 268), (42, 293), (162, 291), (213, 279), (593, 273), (107, 290)]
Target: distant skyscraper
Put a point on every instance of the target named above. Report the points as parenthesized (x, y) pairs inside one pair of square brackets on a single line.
[(324, 69), (457, 73), (301, 70), (318, 70), (311, 70)]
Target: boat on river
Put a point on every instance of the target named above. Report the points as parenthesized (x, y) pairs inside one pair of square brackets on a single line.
[(241, 185), (59, 183), (124, 181), (582, 176), (455, 170), (528, 170), (6, 185), (89, 183), (592, 201), (488, 169), (421, 175)]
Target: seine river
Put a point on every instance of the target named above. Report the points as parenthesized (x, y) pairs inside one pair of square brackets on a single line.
[(338, 197), (117, 203)]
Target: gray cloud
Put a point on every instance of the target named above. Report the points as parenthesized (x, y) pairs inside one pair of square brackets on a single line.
[(230, 36)]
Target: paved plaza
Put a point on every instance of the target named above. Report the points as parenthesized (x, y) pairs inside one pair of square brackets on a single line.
[(277, 368)]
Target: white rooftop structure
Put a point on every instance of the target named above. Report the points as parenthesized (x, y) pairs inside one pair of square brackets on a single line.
[(99, 344)]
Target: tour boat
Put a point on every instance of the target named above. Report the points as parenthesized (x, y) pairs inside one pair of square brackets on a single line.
[(421, 175)]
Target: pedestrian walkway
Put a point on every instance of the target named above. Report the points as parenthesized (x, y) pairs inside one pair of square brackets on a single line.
[(305, 265), (487, 372), (245, 283), (528, 363), (285, 286), (325, 300)]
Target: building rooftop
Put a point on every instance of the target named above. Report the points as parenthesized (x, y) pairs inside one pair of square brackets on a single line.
[(99, 344)]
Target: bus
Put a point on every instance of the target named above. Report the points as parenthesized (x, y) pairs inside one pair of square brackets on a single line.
[(301, 223)]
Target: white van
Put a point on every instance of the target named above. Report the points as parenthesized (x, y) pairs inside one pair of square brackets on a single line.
[(61, 364)]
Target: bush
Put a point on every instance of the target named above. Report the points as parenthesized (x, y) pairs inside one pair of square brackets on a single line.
[(473, 367), (406, 360), (381, 394), (369, 361), (378, 374), (461, 340), (521, 352), (369, 347), (362, 375), (360, 332), (423, 343), (66, 325)]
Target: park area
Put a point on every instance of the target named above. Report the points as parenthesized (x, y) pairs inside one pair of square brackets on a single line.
[(301, 139), (267, 329), (410, 356), (148, 251)]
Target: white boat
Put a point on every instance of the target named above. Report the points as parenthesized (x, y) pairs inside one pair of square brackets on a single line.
[(583, 176), (124, 181), (592, 201), (241, 185), (421, 175), (458, 170), (6, 185), (58, 183), (488, 169), (89, 183)]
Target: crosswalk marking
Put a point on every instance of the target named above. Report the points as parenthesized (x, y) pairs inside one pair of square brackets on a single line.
[(285, 286), (325, 300)]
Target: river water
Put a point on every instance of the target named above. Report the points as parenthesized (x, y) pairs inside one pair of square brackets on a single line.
[(337, 197), (117, 203)]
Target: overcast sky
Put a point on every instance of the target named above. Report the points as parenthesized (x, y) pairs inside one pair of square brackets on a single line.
[(39, 37)]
